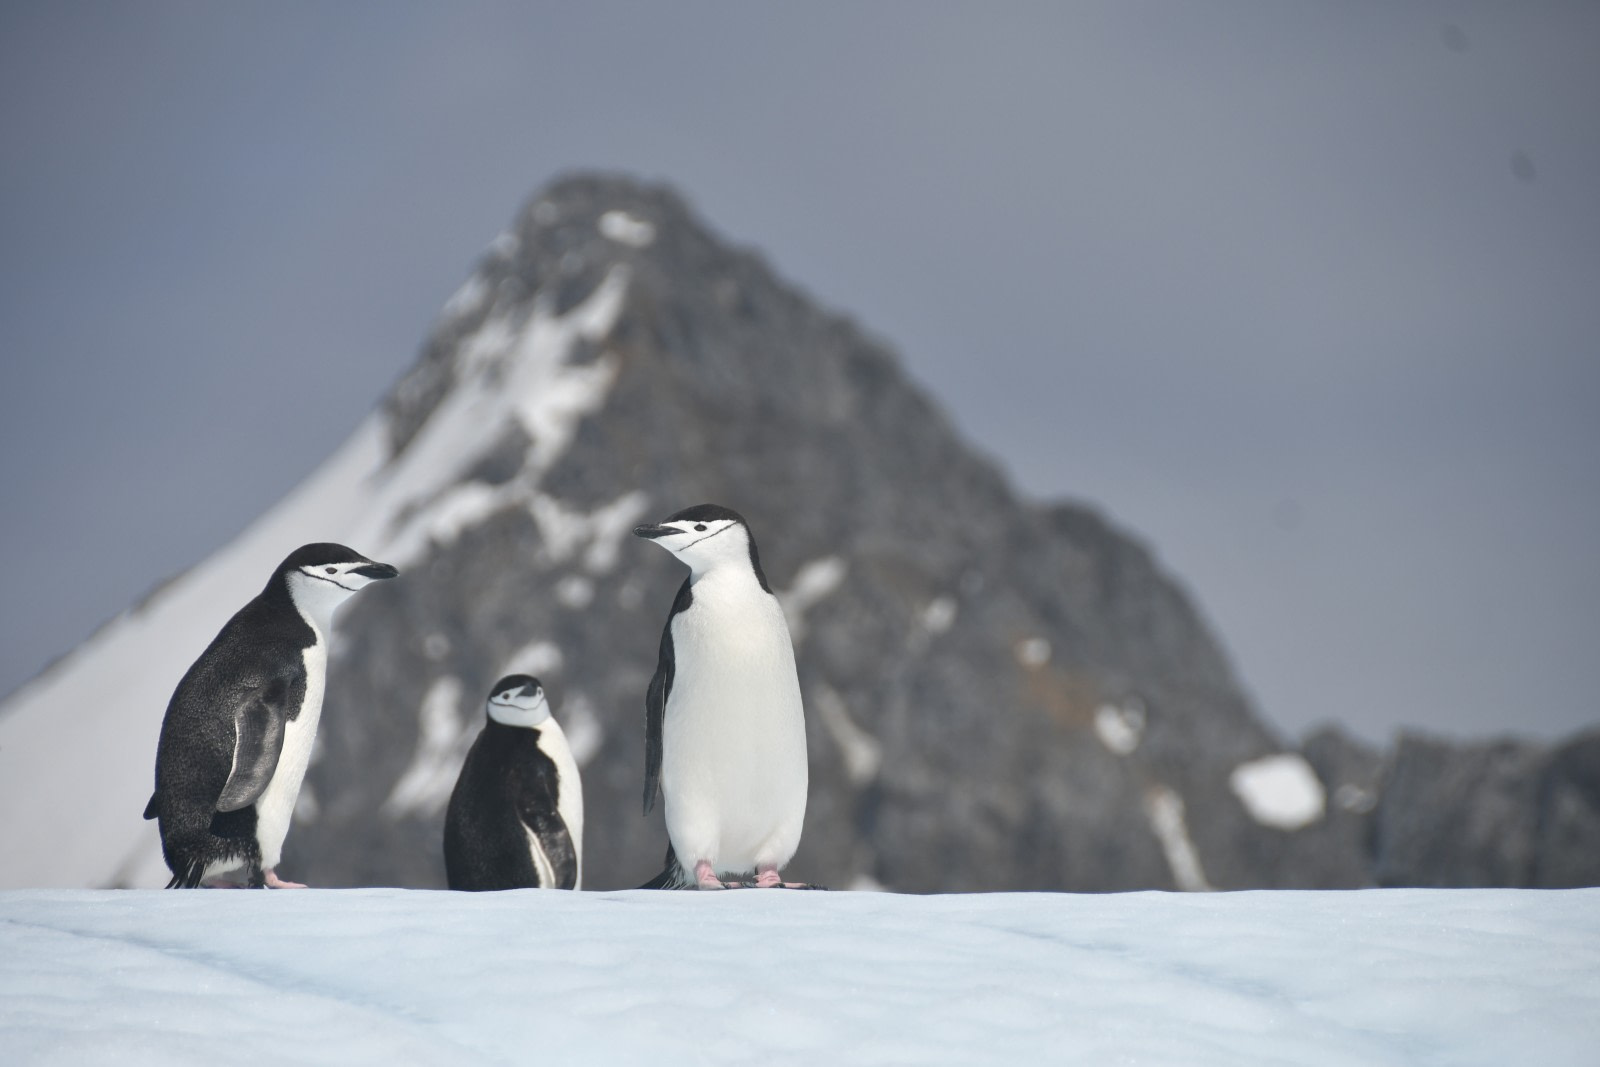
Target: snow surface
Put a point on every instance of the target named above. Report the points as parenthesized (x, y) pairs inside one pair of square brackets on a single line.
[(1366, 978), (516, 369)]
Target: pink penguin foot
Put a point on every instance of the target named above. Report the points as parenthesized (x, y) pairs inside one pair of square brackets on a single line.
[(705, 877), (274, 882), (768, 878)]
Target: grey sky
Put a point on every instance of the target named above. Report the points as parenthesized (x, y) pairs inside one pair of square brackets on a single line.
[(1308, 297)]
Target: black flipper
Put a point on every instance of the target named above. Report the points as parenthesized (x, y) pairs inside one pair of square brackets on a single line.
[(537, 810), (655, 701), (556, 842), (259, 718)]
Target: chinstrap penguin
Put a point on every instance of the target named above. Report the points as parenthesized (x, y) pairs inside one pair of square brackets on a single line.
[(515, 819), (238, 731), (725, 735)]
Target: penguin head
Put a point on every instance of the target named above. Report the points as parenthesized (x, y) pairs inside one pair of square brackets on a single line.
[(704, 536), (518, 700), (322, 576)]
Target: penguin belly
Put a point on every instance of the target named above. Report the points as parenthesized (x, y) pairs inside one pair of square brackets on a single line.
[(733, 767), (275, 806), (569, 796)]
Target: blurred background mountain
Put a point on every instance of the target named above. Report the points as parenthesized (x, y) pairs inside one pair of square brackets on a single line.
[(1304, 297), (1002, 695)]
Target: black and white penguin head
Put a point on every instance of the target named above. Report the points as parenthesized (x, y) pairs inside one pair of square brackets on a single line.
[(705, 536), (322, 576), (518, 700)]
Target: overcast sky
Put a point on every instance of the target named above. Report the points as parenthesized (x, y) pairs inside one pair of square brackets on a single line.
[(1306, 296)]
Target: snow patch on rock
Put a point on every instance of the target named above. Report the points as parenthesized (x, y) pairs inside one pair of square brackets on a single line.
[(1120, 728), (1164, 808), (812, 583), (443, 738), (1280, 791), (627, 229), (939, 615), (539, 658), (1033, 652), (581, 724), (862, 753)]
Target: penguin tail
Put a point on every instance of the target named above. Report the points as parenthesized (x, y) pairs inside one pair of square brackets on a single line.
[(671, 876), (187, 874), (150, 809), (191, 845)]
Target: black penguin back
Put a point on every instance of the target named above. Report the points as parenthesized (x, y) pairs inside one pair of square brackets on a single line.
[(256, 657)]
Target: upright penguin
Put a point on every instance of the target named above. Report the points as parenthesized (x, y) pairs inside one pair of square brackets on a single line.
[(515, 819), (725, 734), (238, 731)]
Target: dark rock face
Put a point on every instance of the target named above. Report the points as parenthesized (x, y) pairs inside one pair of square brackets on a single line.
[(1501, 813), (1568, 849), (999, 695)]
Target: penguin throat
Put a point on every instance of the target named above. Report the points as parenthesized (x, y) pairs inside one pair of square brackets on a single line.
[(511, 715), (317, 600)]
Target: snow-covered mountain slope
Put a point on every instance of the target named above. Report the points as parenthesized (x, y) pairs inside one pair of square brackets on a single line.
[(1363, 979)]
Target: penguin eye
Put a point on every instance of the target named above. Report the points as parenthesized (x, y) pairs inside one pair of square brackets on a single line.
[(331, 570), (699, 526)]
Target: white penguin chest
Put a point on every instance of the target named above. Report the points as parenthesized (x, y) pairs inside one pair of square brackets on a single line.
[(733, 736), (275, 807)]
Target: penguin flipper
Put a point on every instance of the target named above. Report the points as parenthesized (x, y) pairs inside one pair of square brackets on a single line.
[(655, 701), (537, 811), (258, 722), (556, 843)]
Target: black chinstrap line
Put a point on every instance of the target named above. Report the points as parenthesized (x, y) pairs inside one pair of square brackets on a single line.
[(709, 536), (330, 581)]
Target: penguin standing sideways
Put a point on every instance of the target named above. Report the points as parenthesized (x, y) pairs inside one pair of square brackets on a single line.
[(238, 731), (515, 819), (725, 734)]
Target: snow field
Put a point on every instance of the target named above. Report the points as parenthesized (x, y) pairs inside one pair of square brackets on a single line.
[(401, 976)]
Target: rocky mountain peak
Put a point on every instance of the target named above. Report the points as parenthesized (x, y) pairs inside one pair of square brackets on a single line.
[(1000, 694)]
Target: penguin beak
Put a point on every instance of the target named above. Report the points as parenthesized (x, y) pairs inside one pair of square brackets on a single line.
[(653, 532), (376, 570)]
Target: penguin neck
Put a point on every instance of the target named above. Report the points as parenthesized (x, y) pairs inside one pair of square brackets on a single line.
[(732, 570), (315, 602), (519, 718), (730, 575)]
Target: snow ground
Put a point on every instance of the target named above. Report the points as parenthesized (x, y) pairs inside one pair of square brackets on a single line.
[(403, 976)]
